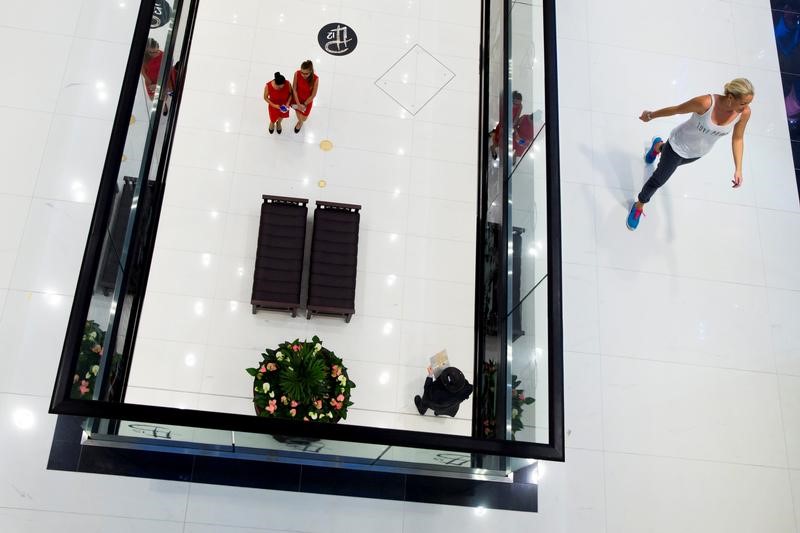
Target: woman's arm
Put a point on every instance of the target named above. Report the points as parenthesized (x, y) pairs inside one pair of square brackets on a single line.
[(313, 93), (266, 96), (294, 93), (698, 104), (737, 145), (291, 95), (150, 84)]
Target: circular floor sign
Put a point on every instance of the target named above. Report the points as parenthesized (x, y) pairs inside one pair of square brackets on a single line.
[(162, 12), (337, 39)]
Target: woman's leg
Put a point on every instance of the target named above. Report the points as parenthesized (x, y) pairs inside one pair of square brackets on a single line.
[(666, 167), (300, 120)]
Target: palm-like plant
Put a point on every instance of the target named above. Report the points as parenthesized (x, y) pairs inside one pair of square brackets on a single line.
[(301, 381), (304, 378)]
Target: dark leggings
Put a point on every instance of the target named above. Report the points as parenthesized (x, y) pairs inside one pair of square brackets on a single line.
[(666, 167)]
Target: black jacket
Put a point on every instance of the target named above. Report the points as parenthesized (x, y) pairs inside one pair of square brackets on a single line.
[(439, 399)]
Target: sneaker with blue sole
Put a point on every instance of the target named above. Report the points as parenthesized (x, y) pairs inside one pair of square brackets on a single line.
[(651, 154), (633, 217)]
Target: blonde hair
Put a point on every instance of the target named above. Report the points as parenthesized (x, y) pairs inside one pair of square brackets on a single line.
[(739, 87)]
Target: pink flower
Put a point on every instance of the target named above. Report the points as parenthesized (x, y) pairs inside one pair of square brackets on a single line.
[(339, 405), (293, 412), (333, 402), (84, 388), (521, 397), (262, 369), (294, 403), (336, 371), (340, 398), (318, 404), (284, 401), (296, 347), (97, 349), (273, 405), (272, 367), (305, 419)]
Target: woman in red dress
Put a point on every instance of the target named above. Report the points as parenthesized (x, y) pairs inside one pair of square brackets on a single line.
[(278, 95), (151, 66), (497, 132), (305, 88)]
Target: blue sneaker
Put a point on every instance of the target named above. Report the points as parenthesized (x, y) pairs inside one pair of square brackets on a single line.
[(633, 217), (651, 154)]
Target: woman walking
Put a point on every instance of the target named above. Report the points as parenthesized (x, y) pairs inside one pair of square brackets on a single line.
[(713, 116), (304, 87), (278, 95)]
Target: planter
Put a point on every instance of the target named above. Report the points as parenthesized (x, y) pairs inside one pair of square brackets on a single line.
[(301, 380)]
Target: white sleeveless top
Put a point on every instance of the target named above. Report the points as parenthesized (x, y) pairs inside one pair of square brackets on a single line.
[(696, 136)]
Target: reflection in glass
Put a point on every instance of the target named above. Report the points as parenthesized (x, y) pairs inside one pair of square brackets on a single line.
[(529, 415), (117, 287), (512, 400)]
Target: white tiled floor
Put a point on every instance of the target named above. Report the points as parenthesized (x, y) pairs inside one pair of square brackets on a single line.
[(681, 407), (412, 169)]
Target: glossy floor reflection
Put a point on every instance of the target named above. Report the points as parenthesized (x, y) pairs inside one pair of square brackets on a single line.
[(401, 112)]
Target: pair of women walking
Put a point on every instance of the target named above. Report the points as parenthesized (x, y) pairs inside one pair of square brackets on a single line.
[(713, 116), (299, 95)]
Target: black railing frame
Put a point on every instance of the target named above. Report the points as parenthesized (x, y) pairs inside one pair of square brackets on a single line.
[(134, 237), (61, 403), (555, 330), (166, 154), (104, 205)]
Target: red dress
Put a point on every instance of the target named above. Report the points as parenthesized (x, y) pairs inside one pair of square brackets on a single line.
[(496, 133), (150, 68), (523, 134), (303, 91), (279, 97)]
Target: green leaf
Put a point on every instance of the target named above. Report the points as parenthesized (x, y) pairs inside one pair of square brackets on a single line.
[(252, 371), (304, 379), (529, 401)]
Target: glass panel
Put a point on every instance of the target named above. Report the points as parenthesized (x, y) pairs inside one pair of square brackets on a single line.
[(100, 367), (176, 434), (526, 77), (528, 216), (515, 463), (321, 449), (444, 461), (162, 434), (493, 175), (525, 382), (529, 387)]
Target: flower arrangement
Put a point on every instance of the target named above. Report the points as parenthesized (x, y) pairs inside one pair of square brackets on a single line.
[(303, 381), (91, 353), (518, 400), (489, 399)]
